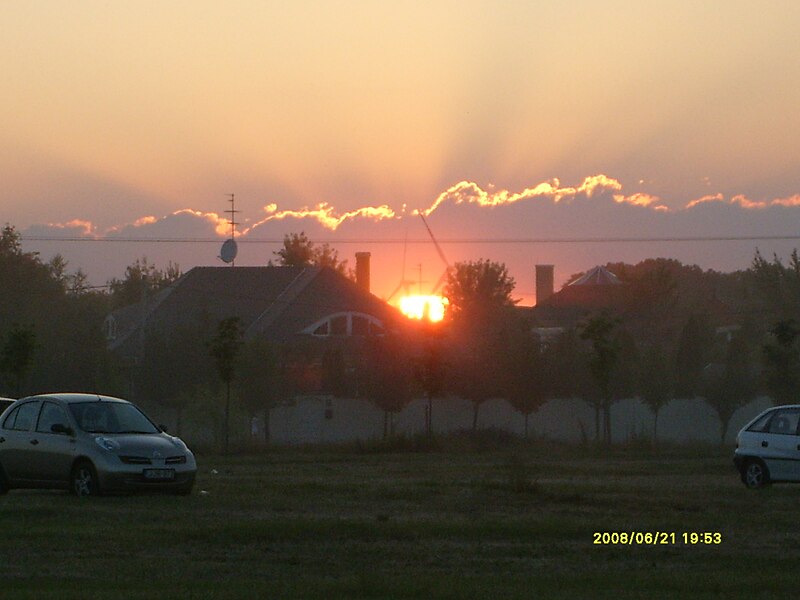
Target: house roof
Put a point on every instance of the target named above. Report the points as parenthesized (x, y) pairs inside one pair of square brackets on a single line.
[(597, 276), (275, 301)]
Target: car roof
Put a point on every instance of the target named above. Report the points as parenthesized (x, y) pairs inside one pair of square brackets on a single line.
[(71, 398)]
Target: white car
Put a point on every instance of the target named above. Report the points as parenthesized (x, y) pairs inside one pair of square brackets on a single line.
[(768, 447)]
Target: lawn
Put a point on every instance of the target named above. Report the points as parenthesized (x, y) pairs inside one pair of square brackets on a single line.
[(498, 521)]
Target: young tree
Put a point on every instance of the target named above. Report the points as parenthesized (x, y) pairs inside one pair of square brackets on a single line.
[(656, 383), (386, 373), (734, 384), (600, 332), (261, 382), (524, 374), (693, 354), (225, 347), (17, 355), (479, 295)]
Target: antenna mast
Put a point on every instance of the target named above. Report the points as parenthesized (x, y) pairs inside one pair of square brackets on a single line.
[(228, 252)]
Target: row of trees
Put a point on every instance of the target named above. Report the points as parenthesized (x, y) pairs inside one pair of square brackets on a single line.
[(659, 343)]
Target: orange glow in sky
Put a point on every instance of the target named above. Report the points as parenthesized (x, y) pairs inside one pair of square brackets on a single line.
[(423, 307)]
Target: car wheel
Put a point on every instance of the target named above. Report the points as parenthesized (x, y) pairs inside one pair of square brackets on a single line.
[(755, 474), (83, 481)]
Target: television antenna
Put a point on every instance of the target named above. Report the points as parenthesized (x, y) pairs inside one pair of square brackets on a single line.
[(229, 248)]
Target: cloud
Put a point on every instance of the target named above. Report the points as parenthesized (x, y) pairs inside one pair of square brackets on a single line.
[(325, 215), (573, 227)]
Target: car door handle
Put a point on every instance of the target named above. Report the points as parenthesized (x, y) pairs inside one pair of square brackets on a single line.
[(2, 439), (764, 444), (34, 442)]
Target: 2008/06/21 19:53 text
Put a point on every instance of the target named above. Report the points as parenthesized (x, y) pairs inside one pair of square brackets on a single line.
[(656, 538)]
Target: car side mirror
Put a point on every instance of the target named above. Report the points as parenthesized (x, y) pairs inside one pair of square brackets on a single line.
[(61, 428)]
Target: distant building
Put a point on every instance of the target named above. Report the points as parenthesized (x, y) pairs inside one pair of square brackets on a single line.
[(313, 305)]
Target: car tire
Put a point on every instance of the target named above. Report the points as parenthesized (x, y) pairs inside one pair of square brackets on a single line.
[(755, 474), (83, 480)]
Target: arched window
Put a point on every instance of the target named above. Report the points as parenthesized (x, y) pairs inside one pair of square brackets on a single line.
[(346, 324)]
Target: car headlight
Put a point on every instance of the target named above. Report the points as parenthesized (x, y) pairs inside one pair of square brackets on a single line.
[(107, 443), (178, 442)]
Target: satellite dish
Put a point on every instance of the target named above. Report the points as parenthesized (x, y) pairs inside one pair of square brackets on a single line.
[(228, 251)]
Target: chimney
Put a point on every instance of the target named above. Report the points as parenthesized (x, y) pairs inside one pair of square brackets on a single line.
[(362, 269), (544, 282)]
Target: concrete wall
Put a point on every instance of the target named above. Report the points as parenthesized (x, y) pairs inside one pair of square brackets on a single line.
[(324, 419)]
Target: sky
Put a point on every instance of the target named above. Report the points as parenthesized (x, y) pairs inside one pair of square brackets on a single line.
[(499, 120)]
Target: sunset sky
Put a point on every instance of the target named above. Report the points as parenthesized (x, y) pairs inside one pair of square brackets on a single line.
[(664, 119)]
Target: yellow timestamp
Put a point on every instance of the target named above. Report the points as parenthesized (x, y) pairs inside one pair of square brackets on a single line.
[(656, 538)]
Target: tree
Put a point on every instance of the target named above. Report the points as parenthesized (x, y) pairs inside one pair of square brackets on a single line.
[(299, 251), (692, 355), (17, 354), (225, 347), (430, 369), (141, 279), (524, 374), (479, 295), (779, 283), (656, 383), (386, 373), (599, 332), (781, 358), (730, 386), (478, 288), (261, 382)]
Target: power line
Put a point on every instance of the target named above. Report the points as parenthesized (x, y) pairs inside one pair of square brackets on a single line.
[(571, 240)]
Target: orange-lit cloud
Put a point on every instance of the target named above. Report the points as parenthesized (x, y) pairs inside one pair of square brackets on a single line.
[(744, 202), (471, 193), (326, 215), (77, 226)]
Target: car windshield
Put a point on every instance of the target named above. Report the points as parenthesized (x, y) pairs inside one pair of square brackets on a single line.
[(111, 417)]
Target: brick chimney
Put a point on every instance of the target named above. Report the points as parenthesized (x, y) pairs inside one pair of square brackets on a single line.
[(544, 282), (362, 269)]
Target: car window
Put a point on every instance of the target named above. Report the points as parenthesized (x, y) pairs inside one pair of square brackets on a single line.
[(760, 424), (22, 418), (784, 422), (50, 415), (111, 417)]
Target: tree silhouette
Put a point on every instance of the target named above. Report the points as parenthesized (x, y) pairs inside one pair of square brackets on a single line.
[(732, 385), (299, 251), (782, 362), (656, 383), (479, 295), (224, 348), (602, 360), (17, 354)]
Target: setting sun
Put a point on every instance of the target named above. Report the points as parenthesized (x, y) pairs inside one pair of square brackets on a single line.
[(423, 307)]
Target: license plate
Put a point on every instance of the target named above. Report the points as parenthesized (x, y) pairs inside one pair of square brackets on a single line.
[(159, 474)]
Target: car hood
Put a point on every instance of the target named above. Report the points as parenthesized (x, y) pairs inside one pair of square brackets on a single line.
[(146, 444)]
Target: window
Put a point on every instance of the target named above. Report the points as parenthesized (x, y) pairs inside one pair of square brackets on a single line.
[(22, 417), (784, 422), (761, 424), (347, 324), (49, 416)]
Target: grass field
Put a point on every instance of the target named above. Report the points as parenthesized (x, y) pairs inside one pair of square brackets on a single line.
[(498, 521)]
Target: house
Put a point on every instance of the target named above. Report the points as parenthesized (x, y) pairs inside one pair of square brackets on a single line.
[(313, 306), (595, 291)]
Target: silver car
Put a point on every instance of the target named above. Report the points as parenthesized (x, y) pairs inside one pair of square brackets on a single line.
[(89, 444), (768, 447)]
